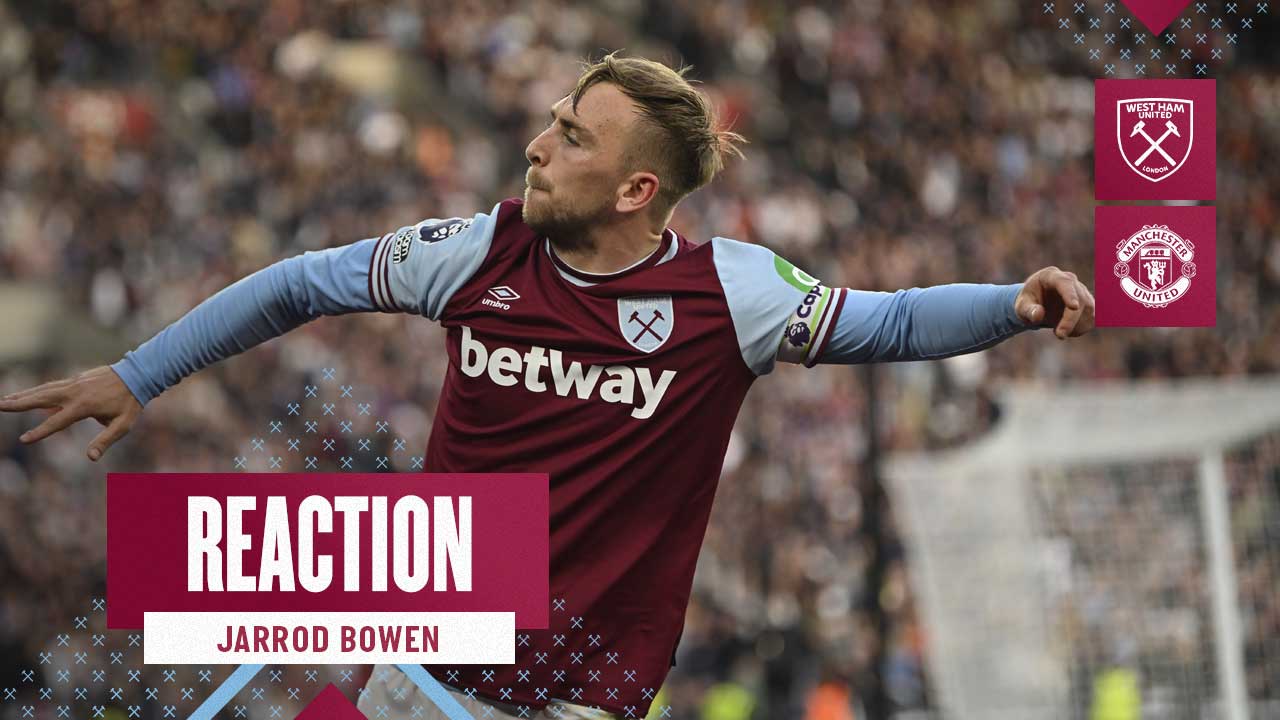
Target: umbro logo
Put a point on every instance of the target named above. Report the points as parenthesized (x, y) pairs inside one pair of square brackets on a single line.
[(499, 297)]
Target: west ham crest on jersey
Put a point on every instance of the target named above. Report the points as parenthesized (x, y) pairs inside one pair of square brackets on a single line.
[(1155, 135), (646, 322)]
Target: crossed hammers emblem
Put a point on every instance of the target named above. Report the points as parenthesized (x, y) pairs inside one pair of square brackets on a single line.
[(1155, 144), (646, 327)]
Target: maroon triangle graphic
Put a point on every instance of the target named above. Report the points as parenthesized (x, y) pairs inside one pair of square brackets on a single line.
[(1156, 14), (331, 704)]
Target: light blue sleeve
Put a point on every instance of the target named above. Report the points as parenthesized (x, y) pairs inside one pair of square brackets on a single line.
[(920, 323), (780, 312), (419, 267), (416, 269), (762, 290)]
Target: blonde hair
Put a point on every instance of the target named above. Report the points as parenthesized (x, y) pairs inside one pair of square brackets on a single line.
[(681, 138)]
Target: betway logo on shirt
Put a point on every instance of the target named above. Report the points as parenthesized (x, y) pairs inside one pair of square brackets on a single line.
[(544, 370)]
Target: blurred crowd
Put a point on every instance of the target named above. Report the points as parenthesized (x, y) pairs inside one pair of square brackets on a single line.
[(153, 152)]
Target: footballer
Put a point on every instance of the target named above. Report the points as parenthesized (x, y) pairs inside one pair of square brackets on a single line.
[(588, 340)]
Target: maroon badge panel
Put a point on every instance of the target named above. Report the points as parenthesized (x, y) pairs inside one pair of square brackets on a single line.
[(1154, 266), (1155, 139)]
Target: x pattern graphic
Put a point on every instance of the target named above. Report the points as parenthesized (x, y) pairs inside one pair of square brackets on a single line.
[(329, 428), (1119, 46), (91, 672), (585, 668)]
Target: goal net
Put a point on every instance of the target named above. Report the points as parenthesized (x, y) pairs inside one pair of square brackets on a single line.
[(1108, 552)]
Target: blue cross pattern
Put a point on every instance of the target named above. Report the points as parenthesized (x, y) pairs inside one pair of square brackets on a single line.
[(1104, 39), (601, 671), (328, 408), (118, 678)]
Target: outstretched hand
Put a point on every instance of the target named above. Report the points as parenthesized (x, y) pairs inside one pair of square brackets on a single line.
[(98, 393), (1057, 299)]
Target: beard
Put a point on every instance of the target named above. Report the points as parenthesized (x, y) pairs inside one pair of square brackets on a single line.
[(566, 224)]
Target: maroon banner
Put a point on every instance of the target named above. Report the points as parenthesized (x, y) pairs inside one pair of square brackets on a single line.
[(426, 543)]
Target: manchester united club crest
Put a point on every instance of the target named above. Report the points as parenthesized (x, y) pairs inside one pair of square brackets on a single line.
[(646, 322), (1155, 266), (1155, 135)]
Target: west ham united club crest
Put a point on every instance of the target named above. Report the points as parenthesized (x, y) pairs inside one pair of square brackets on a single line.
[(646, 322), (1155, 135), (1155, 265), (1155, 139)]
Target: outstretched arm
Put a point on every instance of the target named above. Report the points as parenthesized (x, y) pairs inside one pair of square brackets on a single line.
[(782, 313), (264, 305), (413, 270), (918, 324), (946, 320)]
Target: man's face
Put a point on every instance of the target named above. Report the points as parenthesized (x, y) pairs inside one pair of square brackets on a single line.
[(576, 163)]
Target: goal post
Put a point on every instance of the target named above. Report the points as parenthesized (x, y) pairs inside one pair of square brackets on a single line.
[(1081, 561)]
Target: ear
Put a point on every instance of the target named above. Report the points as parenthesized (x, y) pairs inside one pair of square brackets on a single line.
[(636, 192)]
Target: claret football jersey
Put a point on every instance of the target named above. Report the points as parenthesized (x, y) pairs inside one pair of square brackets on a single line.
[(624, 389)]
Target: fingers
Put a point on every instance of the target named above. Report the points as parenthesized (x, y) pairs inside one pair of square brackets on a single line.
[(97, 393), (1056, 298), (108, 437), (1067, 287), (1087, 308), (54, 423), (1027, 305), (1078, 309), (1033, 313), (50, 394)]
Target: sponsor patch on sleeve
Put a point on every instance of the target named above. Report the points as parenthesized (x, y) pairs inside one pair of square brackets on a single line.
[(410, 272), (400, 245), (794, 276), (805, 333), (433, 231)]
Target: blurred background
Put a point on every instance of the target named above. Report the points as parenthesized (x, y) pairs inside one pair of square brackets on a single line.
[(154, 152)]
